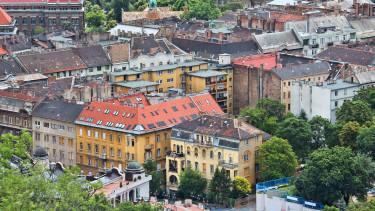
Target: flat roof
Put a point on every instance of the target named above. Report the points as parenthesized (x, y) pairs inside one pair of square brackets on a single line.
[(173, 66), (206, 73), (136, 84), (125, 72)]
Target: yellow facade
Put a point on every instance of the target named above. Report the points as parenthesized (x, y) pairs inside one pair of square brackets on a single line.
[(100, 149), (206, 158)]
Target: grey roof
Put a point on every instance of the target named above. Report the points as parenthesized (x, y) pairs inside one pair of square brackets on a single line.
[(349, 55), (10, 66), (58, 110), (298, 71), (365, 27), (136, 84), (207, 73), (340, 22), (93, 56), (339, 84), (173, 66), (125, 72), (365, 77), (278, 41)]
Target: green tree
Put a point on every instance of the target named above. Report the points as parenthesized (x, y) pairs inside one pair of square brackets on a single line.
[(366, 141), (218, 189), (355, 111), (362, 206), (95, 18), (202, 9), (272, 108), (348, 134), (298, 133), (334, 174), (320, 128), (128, 206), (179, 4), (38, 30), (192, 184), (118, 6), (330, 208), (157, 177), (241, 187), (276, 159), (14, 145), (367, 95), (255, 116)]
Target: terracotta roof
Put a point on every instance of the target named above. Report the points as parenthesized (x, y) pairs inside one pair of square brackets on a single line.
[(5, 19), (18, 96), (52, 62), (135, 99), (119, 52), (2, 50), (138, 120), (269, 61)]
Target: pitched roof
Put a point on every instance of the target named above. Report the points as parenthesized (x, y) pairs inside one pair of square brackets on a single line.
[(340, 22), (218, 126), (5, 19), (269, 61), (278, 41), (298, 71), (9, 66), (365, 77), (18, 96), (115, 116), (58, 110), (349, 55), (92, 56), (52, 62), (118, 52)]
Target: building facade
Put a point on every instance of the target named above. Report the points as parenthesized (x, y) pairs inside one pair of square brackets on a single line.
[(54, 130), (110, 134), (50, 15), (211, 142), (7, 24), (322, 99)]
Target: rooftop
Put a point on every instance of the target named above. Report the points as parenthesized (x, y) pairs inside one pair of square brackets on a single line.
[(207, 73), (278, 41), (298, 71), (142, 119), (336, 85), (269, 61), (348, 55), (5, 19), (92, 56), (58, 110), (136, 84)]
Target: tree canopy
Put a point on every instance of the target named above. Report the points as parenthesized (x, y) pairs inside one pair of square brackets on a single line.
[(334, 174), (192, 184), (366, 141), (218, 189), (241, 187), (276, 159), (298, 133), (157, 177), (355, 111), (202, 9)]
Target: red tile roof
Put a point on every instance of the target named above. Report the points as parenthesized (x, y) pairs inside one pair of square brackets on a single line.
[(18, 96), (5, 19), (3, 51), (131, 100), (114, 116), (269, 61)]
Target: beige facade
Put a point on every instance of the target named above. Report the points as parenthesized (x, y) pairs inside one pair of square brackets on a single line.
[(57, 138)]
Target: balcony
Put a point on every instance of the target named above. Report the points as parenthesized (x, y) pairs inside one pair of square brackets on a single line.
[(149, 147), (227, 165), (203, 143), (316, 45), (175, 154)]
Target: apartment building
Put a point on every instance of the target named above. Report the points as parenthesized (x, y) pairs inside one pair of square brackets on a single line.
[(54, 130), (211, 142), (51, 15), (7, 24), (112, 133)]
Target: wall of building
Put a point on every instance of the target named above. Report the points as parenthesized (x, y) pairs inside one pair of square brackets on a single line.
[(57, 137)]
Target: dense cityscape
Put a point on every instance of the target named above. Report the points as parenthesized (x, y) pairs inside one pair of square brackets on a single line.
[(187, 105)]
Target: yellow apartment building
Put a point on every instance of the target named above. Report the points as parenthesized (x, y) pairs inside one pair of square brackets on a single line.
[(109, 134), (211, 142)]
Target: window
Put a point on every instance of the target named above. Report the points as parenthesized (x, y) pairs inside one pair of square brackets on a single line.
[(170, 71), (219, 155), (91, 70), (37, 136), (204, 153), (103, 135), (99, 68), (111, 152), (246, 157), (158, 152), (96, 134), (70, 142), (89, 148), (336, 93), (157, 138), (96, 148), (212, 169), (88, 133), (188, 150), (119, 139), (336, 103), (211, 154), (119, 154), (46, 138), (80, 146), (196, 166), (46, 124), (160, 72), (110, 137), (54, 139), (170, 80), (80, 132)]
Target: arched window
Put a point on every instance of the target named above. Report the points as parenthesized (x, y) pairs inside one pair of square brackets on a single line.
[(178, 148), (219, 155), (196, 152), (211, 154), (174, 147), (188, 150)]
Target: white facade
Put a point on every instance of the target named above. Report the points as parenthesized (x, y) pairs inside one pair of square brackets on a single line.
[(269, 202), (321, 100)]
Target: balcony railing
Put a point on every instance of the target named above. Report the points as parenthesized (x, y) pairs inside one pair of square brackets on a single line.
[(149, 147), (175, 154), (227, 165), (203, 143)]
